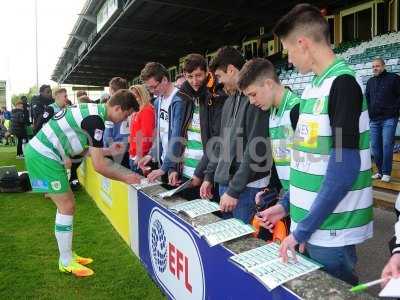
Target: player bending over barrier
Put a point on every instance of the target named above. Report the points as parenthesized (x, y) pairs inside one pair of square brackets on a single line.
[(69, 133)]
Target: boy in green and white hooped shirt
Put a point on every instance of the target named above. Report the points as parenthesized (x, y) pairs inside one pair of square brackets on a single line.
[(330, 198), (259, 82), (69, 133)]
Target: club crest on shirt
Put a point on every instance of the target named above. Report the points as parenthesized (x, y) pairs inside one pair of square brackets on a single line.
[(318, 106), (98, 134), (56, 185)]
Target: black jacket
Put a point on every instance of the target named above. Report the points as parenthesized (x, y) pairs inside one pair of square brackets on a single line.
[(26, 113), (210, 109), (38, 106), (18, 126), (244, 153), (383, 96)]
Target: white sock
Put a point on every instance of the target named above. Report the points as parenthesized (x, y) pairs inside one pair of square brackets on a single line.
[(63, 232)]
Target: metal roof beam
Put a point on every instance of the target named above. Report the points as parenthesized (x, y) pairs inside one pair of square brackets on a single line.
[(213, 8), (90, 18), (96, 68), (167, 31)]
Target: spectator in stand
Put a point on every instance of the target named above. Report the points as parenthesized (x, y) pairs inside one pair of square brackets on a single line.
[(39, 104), (141, 127), (179, 80), (118, 133), (383, 98), (18, 127)]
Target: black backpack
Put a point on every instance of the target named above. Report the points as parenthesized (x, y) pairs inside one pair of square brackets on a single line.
[(11, 182)]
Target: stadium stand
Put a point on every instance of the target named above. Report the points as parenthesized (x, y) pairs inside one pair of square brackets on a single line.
[(386, 46)]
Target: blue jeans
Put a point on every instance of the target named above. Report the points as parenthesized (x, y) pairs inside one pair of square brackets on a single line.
[(337, 261), (382, 142), (246, 206)]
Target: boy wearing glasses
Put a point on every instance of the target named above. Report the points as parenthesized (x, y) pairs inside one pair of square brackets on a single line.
[(173, 115)]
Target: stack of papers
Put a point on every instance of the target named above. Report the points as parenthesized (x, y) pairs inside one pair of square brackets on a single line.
[(173, 192), (223, 231), (196, 208), (267, 267), (144, 183)]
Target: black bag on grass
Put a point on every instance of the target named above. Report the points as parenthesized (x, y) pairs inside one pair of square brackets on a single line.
[(11, 182)]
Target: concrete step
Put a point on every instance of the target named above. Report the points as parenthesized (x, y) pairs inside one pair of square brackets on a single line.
[(384, 198), (396, 157), (393, 185), (395, 170)]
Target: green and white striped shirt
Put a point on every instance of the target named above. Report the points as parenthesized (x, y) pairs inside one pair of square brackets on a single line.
[(281, 134), (194, 147), (63, 135), (351, 221)]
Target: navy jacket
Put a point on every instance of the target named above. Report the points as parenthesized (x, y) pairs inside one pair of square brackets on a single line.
[(383, 96)]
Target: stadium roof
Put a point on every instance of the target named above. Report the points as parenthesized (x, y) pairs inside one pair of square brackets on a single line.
[(159, 30)]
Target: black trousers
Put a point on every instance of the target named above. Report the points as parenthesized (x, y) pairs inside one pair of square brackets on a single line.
[(20, 142), (76, 162)]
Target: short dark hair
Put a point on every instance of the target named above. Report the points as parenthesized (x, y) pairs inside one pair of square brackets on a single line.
[(380, 59), (306, 18), (81, 93), (255, 70), (43, 87), (227, 56), (125, 99), (194, 61), (154, 70), (118, 83), (84, 99)]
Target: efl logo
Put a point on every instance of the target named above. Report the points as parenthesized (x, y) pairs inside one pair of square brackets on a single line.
[(175, 258)]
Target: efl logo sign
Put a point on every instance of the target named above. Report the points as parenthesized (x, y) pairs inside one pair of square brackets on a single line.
[(175, 258)]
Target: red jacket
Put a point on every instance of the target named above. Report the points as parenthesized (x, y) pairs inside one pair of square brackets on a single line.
[(141, 131)]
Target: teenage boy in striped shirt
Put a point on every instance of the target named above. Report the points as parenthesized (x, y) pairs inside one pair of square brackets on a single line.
[(259, 82), (330, 194), (205, 120)]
